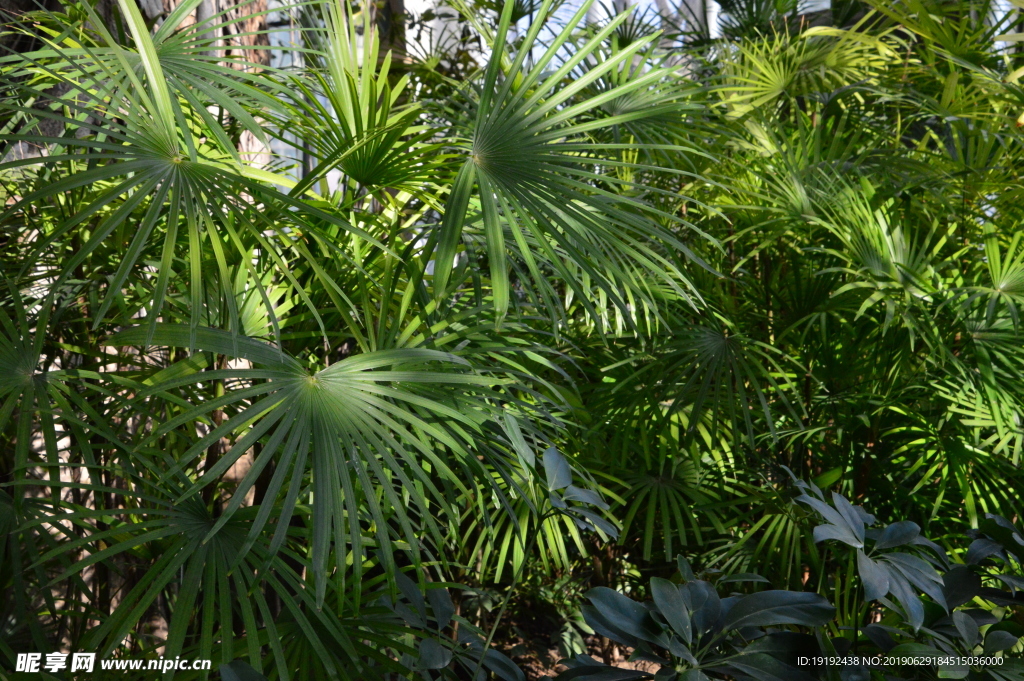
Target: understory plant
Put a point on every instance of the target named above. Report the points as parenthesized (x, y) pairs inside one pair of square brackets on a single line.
[(317, 360), (921, 613)]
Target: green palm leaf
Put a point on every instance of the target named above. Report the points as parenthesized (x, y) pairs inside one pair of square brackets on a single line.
[(396, 421), (527, 160)]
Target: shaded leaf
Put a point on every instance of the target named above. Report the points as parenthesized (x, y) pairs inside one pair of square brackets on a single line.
[(774, 608), (673, 609), (898, 534), (996, 641), (433, 655), (556, 470), (967, 628)]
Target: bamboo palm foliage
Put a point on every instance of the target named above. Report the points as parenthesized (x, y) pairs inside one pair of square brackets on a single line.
[(557, 312)]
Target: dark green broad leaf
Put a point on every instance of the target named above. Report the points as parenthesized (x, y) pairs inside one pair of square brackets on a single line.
[(898, 534), (764, 667), (239, 670), (966, 627), (1015, 583), (838, 532), (881, 636), (496, 661), (442, 606), (666, 674), (982, 548), (1008, 626), (854, 672), (913, 608), (433, 655), (412, 592), (786, 646), (982, 617), (919, 573), (684, 569), (605, 627), (678, 649), (409, 615), (704, 604), (773, 608), (853, 517), (556, 469), (1003, 531), (997, 641), (1000, 597), (670, 603), (960, 585), (847, 527), (593, 520), (874, 575), (625, 614), (586, 496), (645, 653), (502, 666)]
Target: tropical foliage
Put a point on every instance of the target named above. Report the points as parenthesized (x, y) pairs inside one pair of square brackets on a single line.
[(339, 369), (751, 636)]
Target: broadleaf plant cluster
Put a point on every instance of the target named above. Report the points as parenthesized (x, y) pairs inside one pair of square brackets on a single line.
[(362, 340), (923, 619)]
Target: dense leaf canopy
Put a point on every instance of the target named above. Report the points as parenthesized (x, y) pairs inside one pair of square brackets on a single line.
[(339, 369)]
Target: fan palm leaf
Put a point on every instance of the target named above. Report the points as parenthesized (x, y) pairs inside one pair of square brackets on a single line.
[(527, 164)]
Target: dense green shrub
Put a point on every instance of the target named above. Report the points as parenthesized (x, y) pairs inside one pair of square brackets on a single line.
[(288, 353), (691, 632)]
